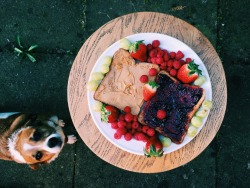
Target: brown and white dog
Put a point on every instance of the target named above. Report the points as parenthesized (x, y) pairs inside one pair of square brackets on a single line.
[(32, 139)]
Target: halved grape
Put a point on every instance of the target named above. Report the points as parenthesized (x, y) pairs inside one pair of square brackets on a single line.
[(107, 60), (97, 107), (192, 131), (97, 76), (165, 140), (92, 85), (196, 121), (202, 113), (104, 68), (125, 43), (207, 104), (200, 80)]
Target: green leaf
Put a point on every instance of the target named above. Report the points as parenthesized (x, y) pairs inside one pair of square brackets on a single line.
[(32, 47), (19, 42), (18, 50), (32, 59)]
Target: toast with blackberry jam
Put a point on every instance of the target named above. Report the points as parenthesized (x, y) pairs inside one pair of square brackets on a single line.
[(179, 101)]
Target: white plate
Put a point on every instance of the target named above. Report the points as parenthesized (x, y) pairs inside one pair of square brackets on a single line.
[(170, 44)]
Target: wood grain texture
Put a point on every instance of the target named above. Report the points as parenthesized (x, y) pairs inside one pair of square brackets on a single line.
[(89, 53)]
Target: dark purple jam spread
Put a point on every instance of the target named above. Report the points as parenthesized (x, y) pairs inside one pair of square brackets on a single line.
[(177, 100)]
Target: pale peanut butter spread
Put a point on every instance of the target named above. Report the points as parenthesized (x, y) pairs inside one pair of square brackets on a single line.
[(121, 86)]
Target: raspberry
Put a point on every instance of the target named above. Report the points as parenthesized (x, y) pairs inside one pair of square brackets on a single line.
[(127, 109), (153, 53), (114, 125), (166, 57), (145, 128), (144, 78), (135, 118), (129, 117), (156, 43), (128, 136), (179, 55), (121, 117), (168, 69), (172, 55), (160, 53), (173, 72), (152, 72), (149, 47), (153, 60), (141, 136), (150, 132), (117, 137), (161, 114), (136, 135), (149, 60), (121, 131), (177, 64), (170, 63), (159, 60), (188, 60), (135, 125), (121, 124)]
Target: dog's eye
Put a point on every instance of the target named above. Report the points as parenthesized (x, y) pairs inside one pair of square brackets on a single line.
[(37, 136), (39, 155)]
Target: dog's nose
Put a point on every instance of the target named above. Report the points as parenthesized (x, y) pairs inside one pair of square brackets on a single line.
[(54, 141)]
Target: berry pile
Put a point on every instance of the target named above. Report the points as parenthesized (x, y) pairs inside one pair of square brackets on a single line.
[(169, 61), (127, 126)]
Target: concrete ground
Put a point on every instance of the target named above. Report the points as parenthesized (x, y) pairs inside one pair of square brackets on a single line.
[(59, 28)]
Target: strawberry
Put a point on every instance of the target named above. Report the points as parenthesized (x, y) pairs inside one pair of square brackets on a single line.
[(188, 72), (109, 113), (149, 90), (153, 147), (138, 51)]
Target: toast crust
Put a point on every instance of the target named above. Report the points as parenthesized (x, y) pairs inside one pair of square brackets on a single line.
[(174, 130), (121, 86)]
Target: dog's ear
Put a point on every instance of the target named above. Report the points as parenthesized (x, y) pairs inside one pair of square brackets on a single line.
[(34, 166)]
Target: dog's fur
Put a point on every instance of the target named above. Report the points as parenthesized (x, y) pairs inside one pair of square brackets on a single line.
[(32, 139)]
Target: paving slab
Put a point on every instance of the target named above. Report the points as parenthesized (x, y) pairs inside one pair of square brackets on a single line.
[(56, 26), (201, 14), (233, 156)]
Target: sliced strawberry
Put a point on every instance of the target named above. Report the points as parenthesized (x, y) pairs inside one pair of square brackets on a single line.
[(138, 51), (153, 147), (109, 114), (149, 90), (188, 73)]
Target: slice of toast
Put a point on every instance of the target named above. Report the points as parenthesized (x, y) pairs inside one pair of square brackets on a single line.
[(121, 86), (180, 101)]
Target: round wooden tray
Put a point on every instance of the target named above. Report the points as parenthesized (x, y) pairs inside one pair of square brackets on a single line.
[(143, 22)]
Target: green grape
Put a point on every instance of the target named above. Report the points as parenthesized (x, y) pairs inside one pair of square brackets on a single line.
[(97, 76), (97, 107), (107, 60), (202, 113), (104, 68), (196, 121), (125, 43), (92, 85), (200, 80), (207, 104), (165, 140), (192, 131)]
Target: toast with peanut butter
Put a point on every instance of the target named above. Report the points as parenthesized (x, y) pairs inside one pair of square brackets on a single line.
[(121, 86)]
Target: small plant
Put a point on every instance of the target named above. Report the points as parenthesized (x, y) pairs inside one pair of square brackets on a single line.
[(24, 52)]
